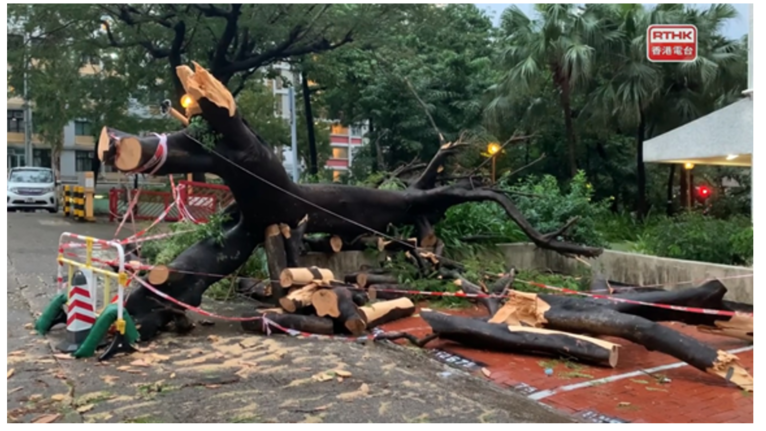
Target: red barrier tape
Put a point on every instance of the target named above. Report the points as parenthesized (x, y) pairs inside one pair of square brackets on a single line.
[(266, 321), (630, 301), (531, 283)]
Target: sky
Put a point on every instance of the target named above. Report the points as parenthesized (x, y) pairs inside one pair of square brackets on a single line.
[(734, 29)]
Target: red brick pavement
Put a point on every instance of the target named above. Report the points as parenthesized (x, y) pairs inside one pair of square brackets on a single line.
[(676, 395)]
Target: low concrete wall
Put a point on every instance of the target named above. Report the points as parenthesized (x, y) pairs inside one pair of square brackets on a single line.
[(638, 269), (629, 268), (341, 263)]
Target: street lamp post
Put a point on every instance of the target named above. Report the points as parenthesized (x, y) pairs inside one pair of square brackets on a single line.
[(690, 187), (493, 148)]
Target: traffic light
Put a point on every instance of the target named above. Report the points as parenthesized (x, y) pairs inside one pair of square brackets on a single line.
[(703, 193)]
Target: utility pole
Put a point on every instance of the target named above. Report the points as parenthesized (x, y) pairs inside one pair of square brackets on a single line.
[(28, 151), (293, 130)]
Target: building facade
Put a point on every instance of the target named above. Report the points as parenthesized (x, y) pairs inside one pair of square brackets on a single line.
[(344, 141), (79, 142), (77, 150)]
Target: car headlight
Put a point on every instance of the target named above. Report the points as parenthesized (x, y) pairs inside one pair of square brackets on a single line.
[(49, 189), (13, 190)]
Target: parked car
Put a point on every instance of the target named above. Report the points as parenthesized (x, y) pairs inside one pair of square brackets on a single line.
[(32, 189)]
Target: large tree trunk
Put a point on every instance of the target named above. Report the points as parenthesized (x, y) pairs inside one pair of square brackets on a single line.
[(313, 162), (518, 339), (566, 106), (265, 195), (669, 192)]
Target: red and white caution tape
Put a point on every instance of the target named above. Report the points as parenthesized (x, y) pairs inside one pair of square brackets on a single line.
[(177, 195), (266, 321), (679, 283), (631, 301), (129, 212), (158, 159)]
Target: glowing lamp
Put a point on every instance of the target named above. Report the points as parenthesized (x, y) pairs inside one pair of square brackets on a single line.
[(186, 101), (493, 148), (689, 166)]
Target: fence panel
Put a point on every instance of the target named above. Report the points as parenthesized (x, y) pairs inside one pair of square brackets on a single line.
[(201, 200), (149, 206)]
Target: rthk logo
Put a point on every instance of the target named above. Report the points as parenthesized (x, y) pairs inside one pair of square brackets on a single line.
[(671, 43)]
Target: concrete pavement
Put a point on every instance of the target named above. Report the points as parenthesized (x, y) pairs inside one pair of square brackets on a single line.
[(219, 374)]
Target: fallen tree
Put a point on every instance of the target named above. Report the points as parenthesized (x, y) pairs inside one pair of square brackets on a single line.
[(218, 141), (554, 324)]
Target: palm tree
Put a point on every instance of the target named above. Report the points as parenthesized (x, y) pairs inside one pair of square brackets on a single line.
[(651, 98), (559, 46)]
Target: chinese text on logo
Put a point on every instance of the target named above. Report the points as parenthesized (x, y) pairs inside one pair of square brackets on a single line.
[(671, 43)]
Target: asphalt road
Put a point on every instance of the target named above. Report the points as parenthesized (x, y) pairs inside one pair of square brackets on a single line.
[(218, 373)]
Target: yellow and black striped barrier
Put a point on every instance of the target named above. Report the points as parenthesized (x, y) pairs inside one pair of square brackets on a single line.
[(79, 203), (67, 200), (79, 200)]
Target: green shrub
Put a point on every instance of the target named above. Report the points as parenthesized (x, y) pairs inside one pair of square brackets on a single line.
[(693, 236), (163, 252), (477, 218), (548, 207)]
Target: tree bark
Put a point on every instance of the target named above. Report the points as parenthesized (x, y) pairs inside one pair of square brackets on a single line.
[(566, 105), (669, 193), (302, 276), (294, 246), (495, 336), (298, 299), (259, 290), (384, 312), (339, 304), (198, 266), (313, 157), (298, 322), (364, 279), (276, 258)]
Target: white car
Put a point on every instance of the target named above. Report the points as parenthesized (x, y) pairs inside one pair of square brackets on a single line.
[(32, 189)]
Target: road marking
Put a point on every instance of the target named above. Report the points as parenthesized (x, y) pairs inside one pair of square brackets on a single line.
[(549, 392), (53, 222)]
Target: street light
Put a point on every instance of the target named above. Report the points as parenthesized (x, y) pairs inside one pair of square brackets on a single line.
[(689, 166), (492, 149), (186, 101)]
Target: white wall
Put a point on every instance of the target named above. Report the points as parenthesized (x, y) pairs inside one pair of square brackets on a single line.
[(750, 51)]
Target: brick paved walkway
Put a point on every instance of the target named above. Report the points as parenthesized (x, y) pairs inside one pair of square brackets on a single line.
[(644, 387)]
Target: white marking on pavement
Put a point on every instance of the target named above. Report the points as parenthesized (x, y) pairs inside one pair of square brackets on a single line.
[(549, 392), (53, 222)]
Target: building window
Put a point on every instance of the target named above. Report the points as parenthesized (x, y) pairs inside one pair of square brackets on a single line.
[(336, 176), (83, 160), (42, 158), (340, 153), (15, 157), (357, 131), (15, 121), (278, 111), (83, 128), (337, 129)]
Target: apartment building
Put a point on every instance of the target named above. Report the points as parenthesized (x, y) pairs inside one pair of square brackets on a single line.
[(78, 145), (343, 140)]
